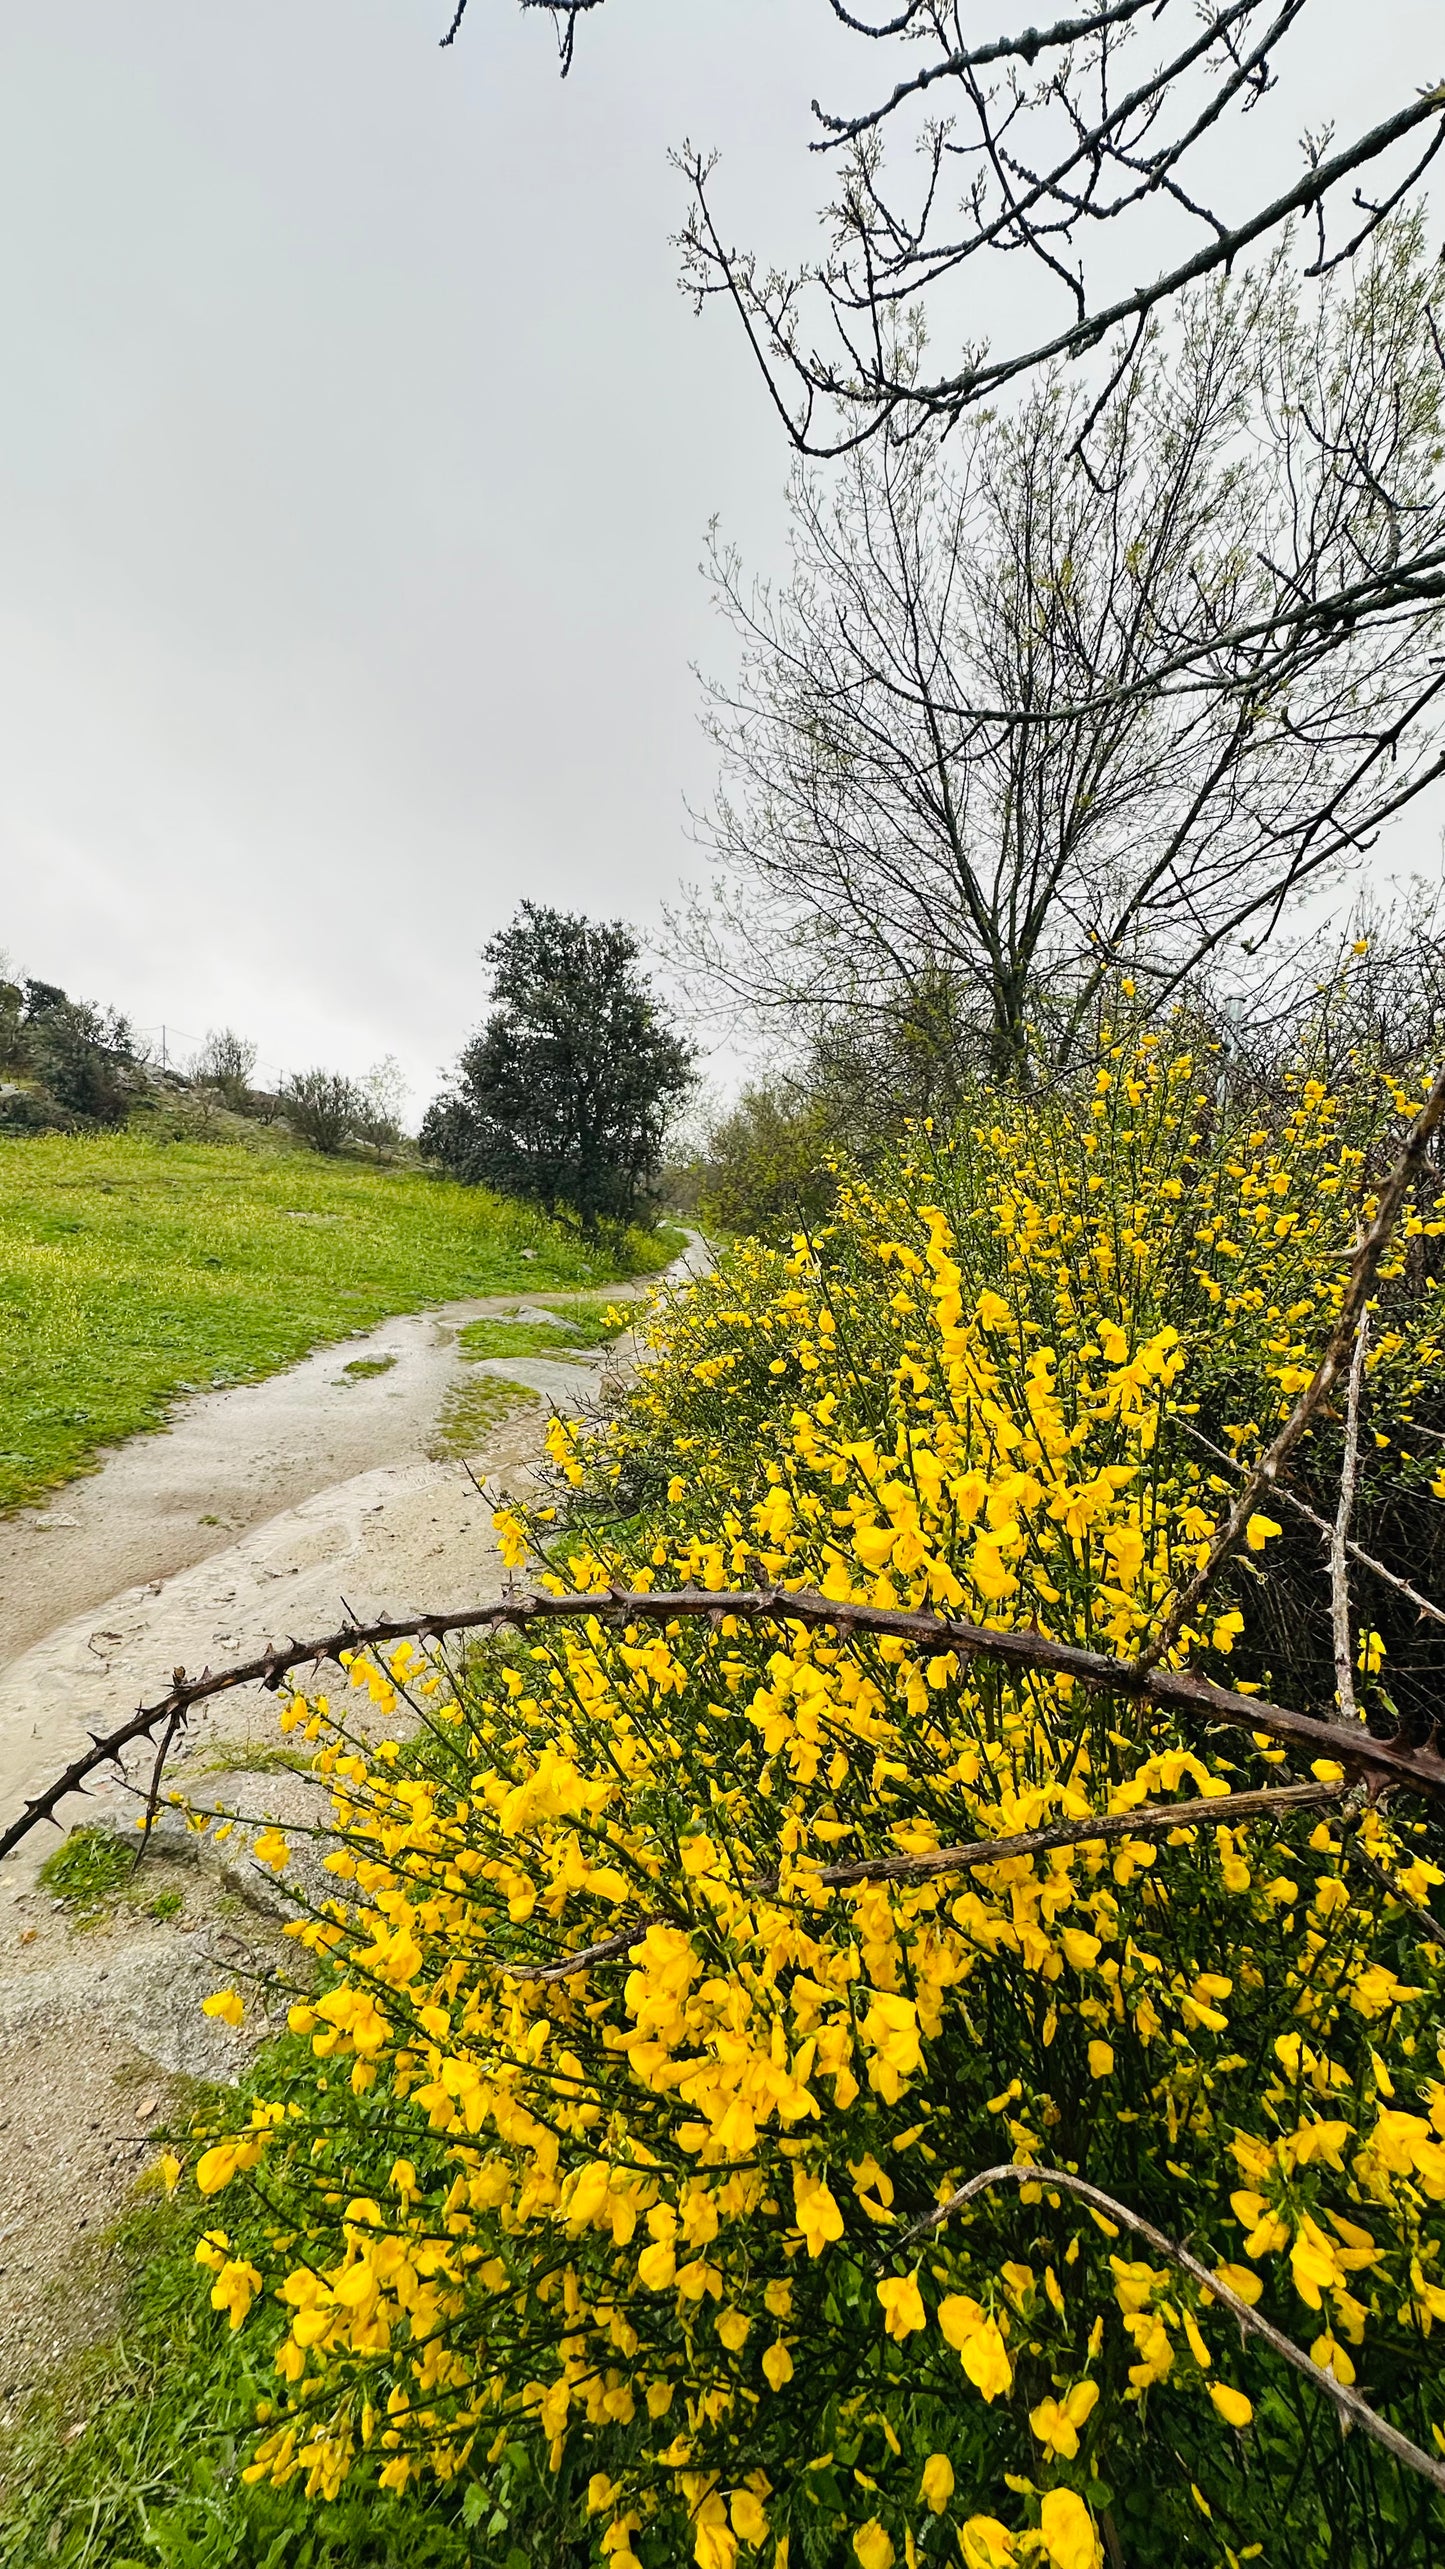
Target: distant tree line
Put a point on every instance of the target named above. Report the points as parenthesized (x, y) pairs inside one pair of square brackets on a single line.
[(564, 1097), (65, 1063)]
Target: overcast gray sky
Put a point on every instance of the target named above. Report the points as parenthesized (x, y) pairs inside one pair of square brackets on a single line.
[(355, 462)]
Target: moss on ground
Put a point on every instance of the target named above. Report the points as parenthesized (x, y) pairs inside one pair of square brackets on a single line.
[(472, 1410), (88, 1871)]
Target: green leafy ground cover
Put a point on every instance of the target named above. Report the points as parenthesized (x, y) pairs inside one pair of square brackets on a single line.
[(133, 1270), (472, 1410), (87, 1869)]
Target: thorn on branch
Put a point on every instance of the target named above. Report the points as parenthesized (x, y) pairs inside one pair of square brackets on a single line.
[(1193, 1699)]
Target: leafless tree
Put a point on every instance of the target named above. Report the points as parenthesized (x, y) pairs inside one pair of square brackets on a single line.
[(948, 753), (383, 1095), (1085, 150)]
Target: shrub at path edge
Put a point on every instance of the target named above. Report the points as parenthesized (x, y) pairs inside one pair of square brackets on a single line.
[(636, 2249)]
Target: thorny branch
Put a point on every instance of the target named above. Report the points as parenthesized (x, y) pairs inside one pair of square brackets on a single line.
[(1178, 1691), (1190, 1697), (1353, 2410)]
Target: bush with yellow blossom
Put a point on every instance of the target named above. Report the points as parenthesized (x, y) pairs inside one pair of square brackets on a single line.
[(637, 2244)]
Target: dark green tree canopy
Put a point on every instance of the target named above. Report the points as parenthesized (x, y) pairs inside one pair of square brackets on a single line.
[(563, 1096)]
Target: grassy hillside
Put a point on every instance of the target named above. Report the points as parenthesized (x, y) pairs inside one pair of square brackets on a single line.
[(132, 1270)]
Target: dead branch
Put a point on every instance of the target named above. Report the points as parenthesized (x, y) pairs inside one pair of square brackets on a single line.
[(1353, 2409), (1178, 1691), (1222, 1810), (1291, 1498), (1349, 1710)]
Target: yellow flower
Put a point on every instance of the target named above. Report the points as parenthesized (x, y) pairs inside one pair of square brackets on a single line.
[(937, 2485), (1101, 2060), (818, 2215), (271, 1848), (980, 2346), (1232, 2405), (225, 2003), (1070, 2541), (1125, 1547), (732, 2328), (1241, 2281), (1313, 2263), (1258, 1531), (777, 2366), (750, 2521), (902, 2304), (1330, 2356), (872, 2546), (1056, 2423), (986, 2544), (657, 2266), (989, 1571), (235, 2288), (511, 1538), (714, 2543)]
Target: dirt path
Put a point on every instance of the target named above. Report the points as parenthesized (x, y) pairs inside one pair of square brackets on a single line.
[(228, 1461), (254, 1515)]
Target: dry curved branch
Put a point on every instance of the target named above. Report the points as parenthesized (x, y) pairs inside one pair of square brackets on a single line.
[(1223, 1810), (1173, 1690), (1353, 2409)]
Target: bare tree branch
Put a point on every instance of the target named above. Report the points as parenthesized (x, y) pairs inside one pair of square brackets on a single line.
[(1349, 1710), (953, 748), (1353, 2409), (1041, 146)]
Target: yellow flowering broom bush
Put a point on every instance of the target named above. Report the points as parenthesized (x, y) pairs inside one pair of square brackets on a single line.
[(621, 2165)]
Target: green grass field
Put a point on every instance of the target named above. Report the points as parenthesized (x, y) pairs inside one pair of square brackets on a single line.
[(133, 1270)]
